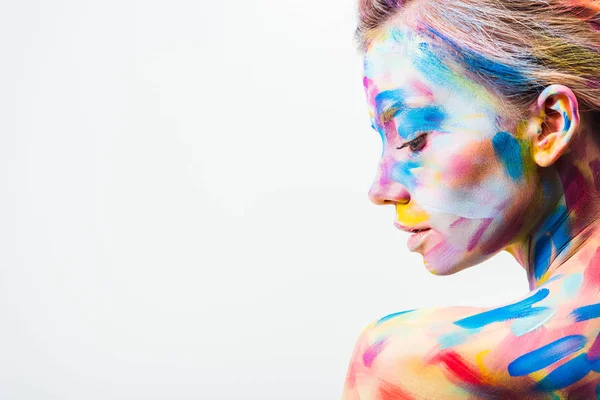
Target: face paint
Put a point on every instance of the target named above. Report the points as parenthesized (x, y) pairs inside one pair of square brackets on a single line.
[(451, 163), (460, 173)]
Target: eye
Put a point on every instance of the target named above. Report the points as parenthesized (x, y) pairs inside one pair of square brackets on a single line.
[(417, 144)]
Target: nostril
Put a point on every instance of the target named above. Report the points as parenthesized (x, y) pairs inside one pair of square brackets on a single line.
[(377, 195), (389, 194)]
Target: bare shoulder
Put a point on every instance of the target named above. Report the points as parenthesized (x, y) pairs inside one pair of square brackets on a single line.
[(543, 344)]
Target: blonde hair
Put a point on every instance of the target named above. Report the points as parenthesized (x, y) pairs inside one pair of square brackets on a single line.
[(514, 47)]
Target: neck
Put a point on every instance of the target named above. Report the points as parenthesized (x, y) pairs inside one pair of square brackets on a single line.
[(568, 235)]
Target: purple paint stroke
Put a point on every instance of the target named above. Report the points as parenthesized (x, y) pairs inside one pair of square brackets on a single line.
[(594, 352), (478, 234), (459, 222), (372, 352)]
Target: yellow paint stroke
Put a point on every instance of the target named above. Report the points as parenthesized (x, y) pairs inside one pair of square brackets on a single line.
[(538, 375), (479, 360), (409, 216)]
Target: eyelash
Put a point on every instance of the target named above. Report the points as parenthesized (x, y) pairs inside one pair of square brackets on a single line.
[(420, 141)]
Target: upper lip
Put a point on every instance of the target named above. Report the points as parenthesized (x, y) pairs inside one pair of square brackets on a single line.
[(411, 229)]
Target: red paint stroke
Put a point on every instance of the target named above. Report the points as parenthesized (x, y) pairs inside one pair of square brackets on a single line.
[(355, 363), (470, 378), (351, 376), (372, 352), (387, 391), (458, 367)]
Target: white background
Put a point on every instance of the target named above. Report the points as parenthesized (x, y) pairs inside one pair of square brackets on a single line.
[(183, 203)]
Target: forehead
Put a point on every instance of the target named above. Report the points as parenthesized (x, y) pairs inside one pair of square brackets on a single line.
[(403, 60), (393, 50)]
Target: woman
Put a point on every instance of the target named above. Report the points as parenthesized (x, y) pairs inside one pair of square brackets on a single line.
[(489, 115)]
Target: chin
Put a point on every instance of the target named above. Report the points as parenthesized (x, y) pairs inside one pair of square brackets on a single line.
[(439, 269), (448, 263)]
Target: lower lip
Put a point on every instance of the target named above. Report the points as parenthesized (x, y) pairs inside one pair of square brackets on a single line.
[(416, 239)]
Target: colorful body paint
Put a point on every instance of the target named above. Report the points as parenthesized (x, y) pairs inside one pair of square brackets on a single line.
[(586, 312), (392, 316), (509, 151), (410, 97), (567, 374), (518, 310), (546, 356), (460, 170)]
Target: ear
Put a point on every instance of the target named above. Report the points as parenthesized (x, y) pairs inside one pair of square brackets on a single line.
[(555, 121)]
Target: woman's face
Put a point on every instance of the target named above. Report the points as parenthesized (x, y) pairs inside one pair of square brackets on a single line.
[(453, 162)]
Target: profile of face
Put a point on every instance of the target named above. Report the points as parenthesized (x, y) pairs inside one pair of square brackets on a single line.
[(456, 161)]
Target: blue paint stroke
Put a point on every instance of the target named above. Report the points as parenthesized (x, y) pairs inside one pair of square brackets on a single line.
[(508, 150), (547, 355), (392, 316), (415, 120), (432, 66), (567, 374), (389, 99), (525, 325), (586, 312), (554, 233), (518, 310), (402, 173), (542, 254), (567, 121), (505, 76), (397, 35)]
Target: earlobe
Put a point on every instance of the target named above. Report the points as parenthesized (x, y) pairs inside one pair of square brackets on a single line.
[(557, 113)]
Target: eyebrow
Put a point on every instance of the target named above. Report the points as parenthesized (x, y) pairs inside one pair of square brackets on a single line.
[(388, 104)]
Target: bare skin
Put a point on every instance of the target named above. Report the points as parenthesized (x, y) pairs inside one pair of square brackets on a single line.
[(543, 346)]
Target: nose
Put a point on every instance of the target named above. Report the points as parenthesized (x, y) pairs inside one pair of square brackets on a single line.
[(385, 190)]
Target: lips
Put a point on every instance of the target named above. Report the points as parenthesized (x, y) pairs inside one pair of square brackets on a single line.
[(418, 235), (411, 229), (417, 240)]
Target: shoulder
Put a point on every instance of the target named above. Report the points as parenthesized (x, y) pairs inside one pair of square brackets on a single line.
[(543, 343)]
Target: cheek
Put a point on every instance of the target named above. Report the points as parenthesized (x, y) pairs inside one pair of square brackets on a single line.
[(470, 165), (463, 177)]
